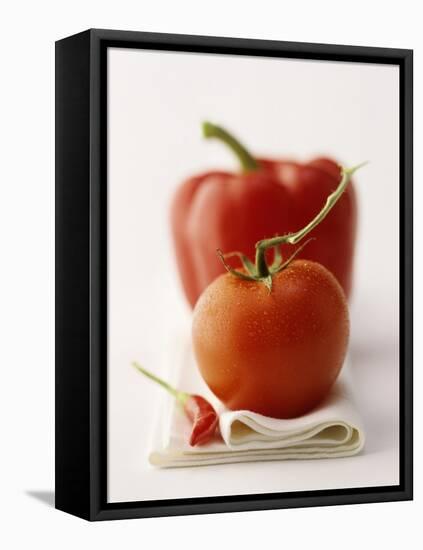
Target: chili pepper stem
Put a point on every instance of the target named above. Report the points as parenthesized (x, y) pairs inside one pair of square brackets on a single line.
[(247, 161), (180, 396)]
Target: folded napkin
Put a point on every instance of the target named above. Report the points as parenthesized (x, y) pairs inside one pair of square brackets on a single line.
[(333, 429)]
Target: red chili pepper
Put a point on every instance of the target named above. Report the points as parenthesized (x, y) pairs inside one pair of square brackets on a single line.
[(204, 419), (201, 413)]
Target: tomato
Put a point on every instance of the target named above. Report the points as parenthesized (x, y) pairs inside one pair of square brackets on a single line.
[(275, 352)]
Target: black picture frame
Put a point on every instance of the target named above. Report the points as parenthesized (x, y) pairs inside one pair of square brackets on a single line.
[(81, 274)]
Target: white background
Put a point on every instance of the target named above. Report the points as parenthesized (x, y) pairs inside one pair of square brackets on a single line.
[(282, 108), (27, 297)]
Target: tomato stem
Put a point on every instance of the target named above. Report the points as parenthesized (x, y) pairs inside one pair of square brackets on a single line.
[(247, 161), (294, 238), (262, 268), (260, 271)]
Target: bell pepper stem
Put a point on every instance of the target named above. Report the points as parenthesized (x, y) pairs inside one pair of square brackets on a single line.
[(294, 238), (180, 396), (247, 161)]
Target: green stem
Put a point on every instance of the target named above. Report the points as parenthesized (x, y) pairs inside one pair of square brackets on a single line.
[(294, 238), (247, 161), (179, 395), (261, 264)]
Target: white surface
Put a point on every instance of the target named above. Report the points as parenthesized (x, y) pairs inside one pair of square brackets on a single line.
[(334, 429), (27, 290), (280, 108)]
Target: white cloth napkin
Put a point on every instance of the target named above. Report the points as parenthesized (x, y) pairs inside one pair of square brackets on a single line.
[(333, 429)]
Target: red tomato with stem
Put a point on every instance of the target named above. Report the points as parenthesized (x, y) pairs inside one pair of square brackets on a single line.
[(277, 353), (272, 338)]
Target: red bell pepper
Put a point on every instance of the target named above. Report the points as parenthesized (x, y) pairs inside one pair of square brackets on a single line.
[(232, 211)]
